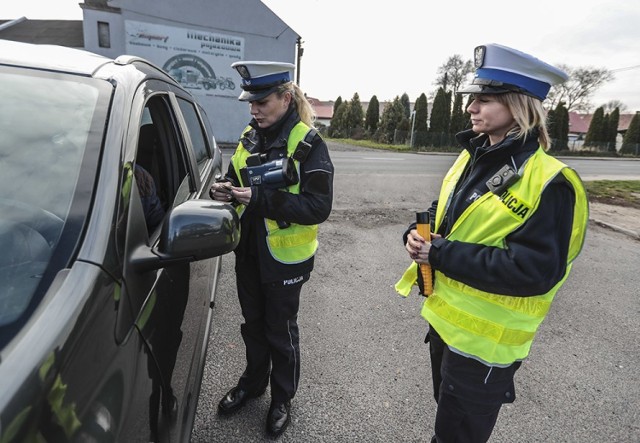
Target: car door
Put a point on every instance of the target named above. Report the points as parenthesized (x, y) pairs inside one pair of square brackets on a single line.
[(207, 162), (169, 307)]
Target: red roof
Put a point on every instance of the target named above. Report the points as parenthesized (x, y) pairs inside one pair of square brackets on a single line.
[(323, 110), (579, 123)]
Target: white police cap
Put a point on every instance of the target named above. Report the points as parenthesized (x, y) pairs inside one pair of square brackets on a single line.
[(500, 69), (261, 78)]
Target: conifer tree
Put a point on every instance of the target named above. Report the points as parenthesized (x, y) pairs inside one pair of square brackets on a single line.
[(604, 131), (612, 126), (355, 117), (337, 104), (558, 127), (420, 121), (339, 121), (631, 140), (440, 113), (594, 133), (392, 116), (373, 116), (422, 114), (406, 105), (562, 133), (552, 128), (458, 120), (405, 126)]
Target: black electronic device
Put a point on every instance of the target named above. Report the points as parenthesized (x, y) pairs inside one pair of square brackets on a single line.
[(273, 174), (504, 178)]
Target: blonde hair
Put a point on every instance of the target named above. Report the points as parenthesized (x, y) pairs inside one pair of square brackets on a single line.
[(528, 114), (304, 108)]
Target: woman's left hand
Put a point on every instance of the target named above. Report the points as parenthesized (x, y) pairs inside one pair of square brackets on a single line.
[(242, 195)]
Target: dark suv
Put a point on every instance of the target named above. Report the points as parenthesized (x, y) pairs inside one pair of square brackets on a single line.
[(109, 248)]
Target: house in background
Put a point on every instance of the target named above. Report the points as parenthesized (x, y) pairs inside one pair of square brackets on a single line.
[(579, 126), (323, 110)]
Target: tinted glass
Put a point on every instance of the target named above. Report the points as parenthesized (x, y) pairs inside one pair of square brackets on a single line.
[(46, 122), (198, 137)]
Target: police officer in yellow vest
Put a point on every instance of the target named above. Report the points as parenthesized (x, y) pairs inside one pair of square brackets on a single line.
[(279, 224), (507, 225)]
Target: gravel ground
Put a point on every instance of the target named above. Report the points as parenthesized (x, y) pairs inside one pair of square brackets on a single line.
[(620, 218)]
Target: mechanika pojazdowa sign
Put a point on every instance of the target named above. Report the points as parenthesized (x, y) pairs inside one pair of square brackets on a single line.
[(199, 60)]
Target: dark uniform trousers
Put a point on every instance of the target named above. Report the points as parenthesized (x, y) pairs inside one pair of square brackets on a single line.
[(469, 394), (269, 331)]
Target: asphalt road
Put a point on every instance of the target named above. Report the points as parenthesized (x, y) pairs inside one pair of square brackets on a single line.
[(365, 368)]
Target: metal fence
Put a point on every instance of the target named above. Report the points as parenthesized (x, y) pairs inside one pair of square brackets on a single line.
[(419, 139)]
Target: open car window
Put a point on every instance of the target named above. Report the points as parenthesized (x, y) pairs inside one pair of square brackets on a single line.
[(161, 170)]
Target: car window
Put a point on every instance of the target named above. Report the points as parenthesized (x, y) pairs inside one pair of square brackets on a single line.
[(196, 132), (160, 171), (48, 122), (147, 176)]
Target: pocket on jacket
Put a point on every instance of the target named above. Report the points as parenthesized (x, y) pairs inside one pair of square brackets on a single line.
[(470, 380)]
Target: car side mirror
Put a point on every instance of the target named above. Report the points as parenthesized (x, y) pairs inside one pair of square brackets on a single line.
[(194, 230)]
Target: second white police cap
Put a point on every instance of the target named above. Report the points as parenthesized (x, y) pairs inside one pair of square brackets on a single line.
[(501, 69)]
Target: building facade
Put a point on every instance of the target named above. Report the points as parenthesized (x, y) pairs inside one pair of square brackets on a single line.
[(195, 41)]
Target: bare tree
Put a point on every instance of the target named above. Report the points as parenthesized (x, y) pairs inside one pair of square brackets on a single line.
[(453, 73), (613, 104), (578, 90)]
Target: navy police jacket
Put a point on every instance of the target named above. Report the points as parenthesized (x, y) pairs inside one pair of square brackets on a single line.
[(536, 257), (312, 206)]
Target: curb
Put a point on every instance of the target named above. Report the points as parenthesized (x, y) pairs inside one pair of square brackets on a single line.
[(633, 234)]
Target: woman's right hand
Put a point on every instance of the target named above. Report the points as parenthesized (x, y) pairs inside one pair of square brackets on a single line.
[(418, 247)]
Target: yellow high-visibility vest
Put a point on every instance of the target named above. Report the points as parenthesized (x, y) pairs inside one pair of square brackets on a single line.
[(295, 243), (498, 329)]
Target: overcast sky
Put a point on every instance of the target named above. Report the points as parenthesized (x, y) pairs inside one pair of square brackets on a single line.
[(389, 48)]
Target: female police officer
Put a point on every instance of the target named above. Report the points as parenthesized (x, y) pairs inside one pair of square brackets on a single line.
[(281, 178), (509, 221)]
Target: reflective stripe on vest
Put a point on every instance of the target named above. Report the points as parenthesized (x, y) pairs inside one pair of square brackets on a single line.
[(296, 243), (496, 328)]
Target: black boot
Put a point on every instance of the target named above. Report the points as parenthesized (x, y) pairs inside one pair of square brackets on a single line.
[(236, 398), (278, 418)]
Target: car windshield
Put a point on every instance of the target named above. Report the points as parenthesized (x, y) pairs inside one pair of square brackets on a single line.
[(47, 122)]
